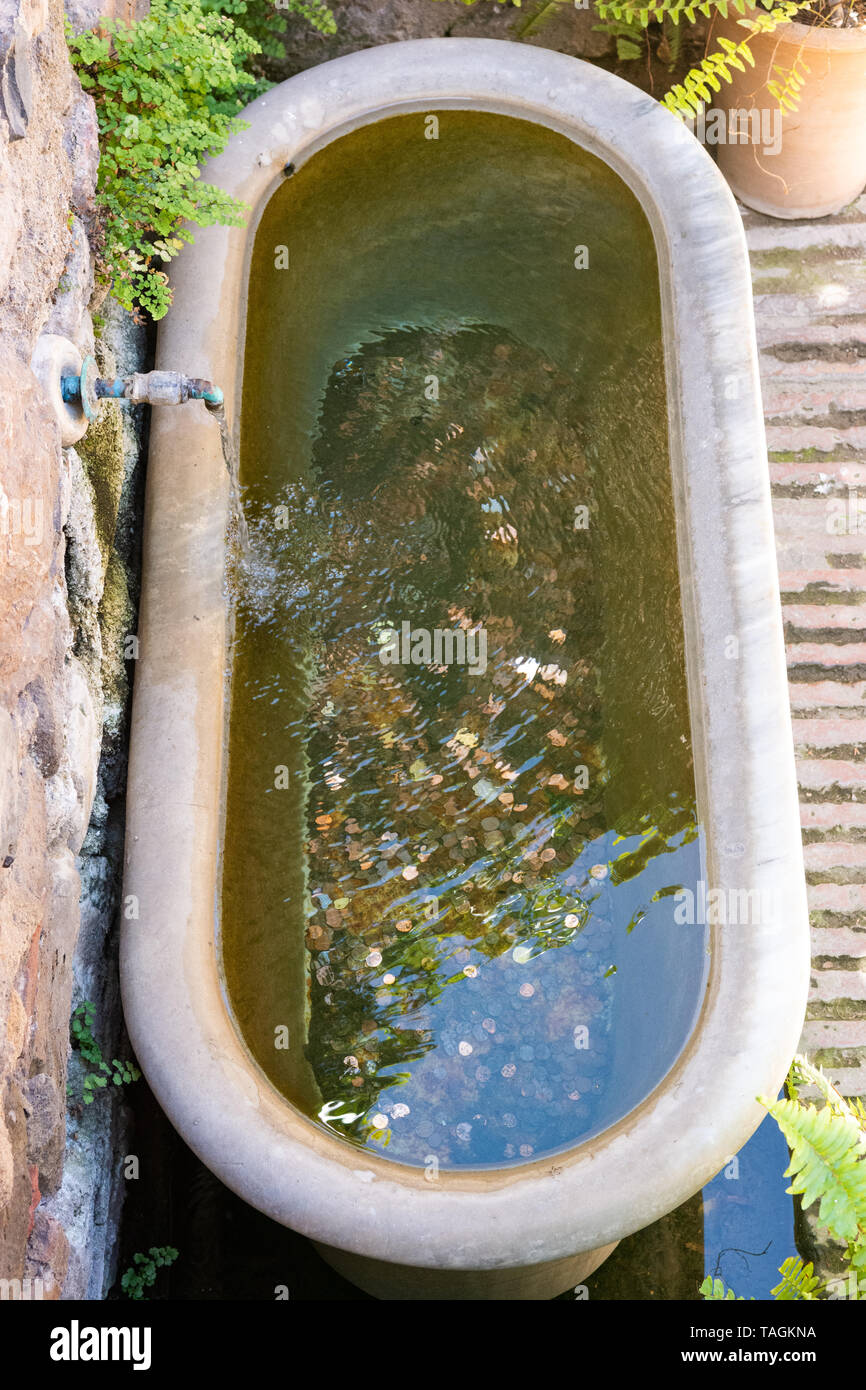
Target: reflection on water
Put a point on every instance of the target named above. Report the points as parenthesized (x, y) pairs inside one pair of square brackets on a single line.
[(450, 861), (749, 1216)]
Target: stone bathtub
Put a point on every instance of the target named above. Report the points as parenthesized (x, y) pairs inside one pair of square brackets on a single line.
[(530, 1230)]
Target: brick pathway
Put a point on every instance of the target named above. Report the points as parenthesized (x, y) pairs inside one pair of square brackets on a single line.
[(809, 280)]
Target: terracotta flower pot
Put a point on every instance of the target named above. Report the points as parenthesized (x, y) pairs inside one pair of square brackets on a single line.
[(814, 161)]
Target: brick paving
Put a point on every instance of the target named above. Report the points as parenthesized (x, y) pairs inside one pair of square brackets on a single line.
[(809, 280)]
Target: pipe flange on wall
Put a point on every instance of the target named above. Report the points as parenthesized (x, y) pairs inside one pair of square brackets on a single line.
[(54, 358)]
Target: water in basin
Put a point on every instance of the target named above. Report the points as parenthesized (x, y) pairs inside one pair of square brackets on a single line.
[(460, 800)]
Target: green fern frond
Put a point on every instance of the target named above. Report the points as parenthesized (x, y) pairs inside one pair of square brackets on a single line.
[(629, 38), (686, 98), (714, 1291), (674, 35), (803, 1072), (858, 1109), (786, 92), (828, 1162), (537, 18), (647, 10), (798, 1282), (650, 11)]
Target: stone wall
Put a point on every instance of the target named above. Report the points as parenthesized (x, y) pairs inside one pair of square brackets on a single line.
[(365, 23), (64, 607)]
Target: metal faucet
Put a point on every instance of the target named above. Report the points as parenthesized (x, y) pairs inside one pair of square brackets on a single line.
[(142, 388)]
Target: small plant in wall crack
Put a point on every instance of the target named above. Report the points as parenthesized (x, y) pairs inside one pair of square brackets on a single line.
[(100, 1073), (142, 1273), (828, 1166)]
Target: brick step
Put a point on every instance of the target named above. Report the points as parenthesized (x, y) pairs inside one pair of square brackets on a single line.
[(799, 236), (830, 477), (825, 583), (833, 854), (846, 617), (835, 300), (851, 1081), (807, 518), (794, 439), (814, 774), (830, 815), (838, 942), (806, 534), (803, 402), (837, 897), (828, 734), (802, 338), (825, 917), (840, 270), (817, 695), (833, 1032), (838, 986), (810, 371), (839, 637), (826, 654)]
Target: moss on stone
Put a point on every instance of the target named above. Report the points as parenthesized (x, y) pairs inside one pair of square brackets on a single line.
[(836, 1008), (803, 270), (115, 621), (102, 453), (838, 1057)]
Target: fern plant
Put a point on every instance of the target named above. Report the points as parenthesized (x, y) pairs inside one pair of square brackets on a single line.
[(100, 1073), (627, 21), (266, 21), (686, 98), (167, 90), (828, 1166), (142, 1273)]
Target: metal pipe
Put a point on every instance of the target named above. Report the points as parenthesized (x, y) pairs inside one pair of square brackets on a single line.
[(142, 388)]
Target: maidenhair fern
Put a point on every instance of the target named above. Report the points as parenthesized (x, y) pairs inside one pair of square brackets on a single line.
[(828, 1166), (167, 90), (99, 1073)]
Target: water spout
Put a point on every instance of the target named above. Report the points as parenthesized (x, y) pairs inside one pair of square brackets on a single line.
[(141, 388), (87, 391)]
